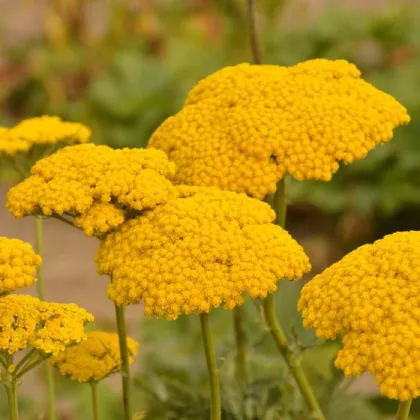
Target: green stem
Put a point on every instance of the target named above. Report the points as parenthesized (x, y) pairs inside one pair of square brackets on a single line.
[(252, 21), (290, 358), (125, 366), (63, 219), (241, 363), (29, 367), (95, 403), (12, 399), (216, 411), (279, 204), (403, 410), (24, 360), (39, 249), (11, 389)]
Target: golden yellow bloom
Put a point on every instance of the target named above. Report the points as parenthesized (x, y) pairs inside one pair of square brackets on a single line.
[(49, 327), (80, 180), (198, 252), (100, 218), (372, 298), (43, 130), (245, 127), (18, 264), (95, 358)]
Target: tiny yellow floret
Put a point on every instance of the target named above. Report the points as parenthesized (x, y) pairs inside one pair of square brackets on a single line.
[(197, 252), (95, 358), (45, 130), (18, 264), (245, 127), (372, 298)]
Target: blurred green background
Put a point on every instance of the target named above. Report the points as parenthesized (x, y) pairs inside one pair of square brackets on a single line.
[(122, 67)]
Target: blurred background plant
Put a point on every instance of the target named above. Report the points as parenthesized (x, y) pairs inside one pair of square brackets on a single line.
[(122, 67)]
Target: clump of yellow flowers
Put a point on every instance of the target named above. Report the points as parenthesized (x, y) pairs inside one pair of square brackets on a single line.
[(198, 252), (245, 127), (41, 131), (96, 185), (18, 264), (95, 358), (372, 298), (26, 321), (42, 329)]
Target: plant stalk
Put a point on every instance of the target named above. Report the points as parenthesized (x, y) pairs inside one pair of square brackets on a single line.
[(216, 410), (39, 249), (291, 359), (252, 21), (403, 410), (241, 371), (12, 399), (95, 402), (125, 365), (11, 389)]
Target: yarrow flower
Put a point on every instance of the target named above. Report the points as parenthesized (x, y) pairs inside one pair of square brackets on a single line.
[(198, 252), (372, 298), (245, 127), (18, 264), (45, 130), (95, 358), (26, 321), (96, 185)]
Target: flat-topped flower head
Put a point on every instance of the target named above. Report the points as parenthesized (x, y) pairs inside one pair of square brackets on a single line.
[(372, 298), (245, 127), (41, 131), (95, 358), (198, 252), (95, 184), (18, 264), (25, 321)]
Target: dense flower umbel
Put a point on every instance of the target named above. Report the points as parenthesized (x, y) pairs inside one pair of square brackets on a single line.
[(95, 358), (244, 127), (84, 180), (198, 252), (18, 264), (43, 130), (49, 327), (372, 298)]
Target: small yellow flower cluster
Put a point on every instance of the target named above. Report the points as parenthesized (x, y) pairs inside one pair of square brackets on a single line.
[(49, 327), (86, 181), (198, 252), (95, 358), (18, 264), (372, 298), (99, 219), (245, 127), (43, 130)]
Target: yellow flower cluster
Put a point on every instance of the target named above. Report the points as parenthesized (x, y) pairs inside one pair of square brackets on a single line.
[(245, 127), (18, 264), (49, 327), (99, 219), (372, 298), (85, 180), (198, 252), (43, 130), (95, 358)]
